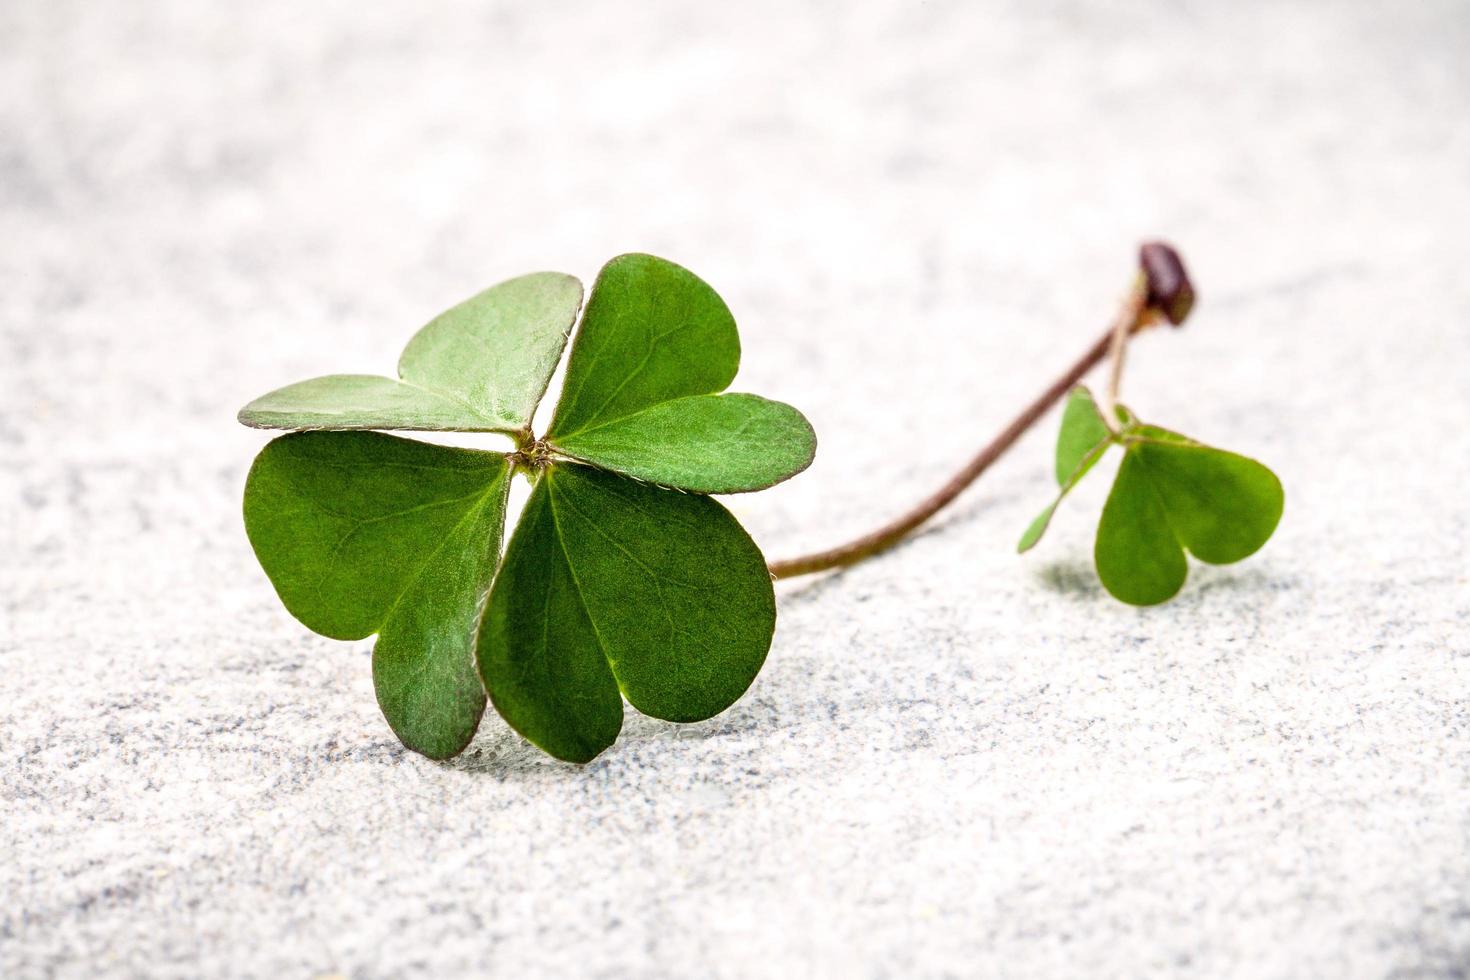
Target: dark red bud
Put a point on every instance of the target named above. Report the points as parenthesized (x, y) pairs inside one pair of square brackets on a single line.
[(1169, 289)]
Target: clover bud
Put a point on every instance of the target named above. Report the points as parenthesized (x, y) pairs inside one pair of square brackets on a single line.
[(1169, 289)]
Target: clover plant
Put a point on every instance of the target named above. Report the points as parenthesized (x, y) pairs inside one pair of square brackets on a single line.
[(623, 579)]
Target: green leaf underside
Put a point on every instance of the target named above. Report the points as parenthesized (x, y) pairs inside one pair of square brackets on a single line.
[(610, 589), (704, 443), (365, 533), (1082, 429), (1172, 494), (498, 350), (479, 367), (652, 332)]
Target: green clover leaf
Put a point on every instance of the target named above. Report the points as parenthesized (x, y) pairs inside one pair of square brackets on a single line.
[(621, 580), (366, 533), (655, 346), (1080, 444), (1171, 495), (613, 589), (1083, 431), (653, 332)]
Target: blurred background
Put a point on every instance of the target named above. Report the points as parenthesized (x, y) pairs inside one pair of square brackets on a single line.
[(957, 761)]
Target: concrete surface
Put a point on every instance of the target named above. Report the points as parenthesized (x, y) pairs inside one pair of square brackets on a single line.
[(958, 762)]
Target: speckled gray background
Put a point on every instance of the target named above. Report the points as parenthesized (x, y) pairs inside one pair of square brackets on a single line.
[(957, 762)]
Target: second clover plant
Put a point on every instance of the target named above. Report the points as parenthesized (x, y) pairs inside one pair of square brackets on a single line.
[(621, 580), (1171, 494)]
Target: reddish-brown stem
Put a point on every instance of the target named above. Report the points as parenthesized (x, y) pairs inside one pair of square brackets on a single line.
[(1137, 312)]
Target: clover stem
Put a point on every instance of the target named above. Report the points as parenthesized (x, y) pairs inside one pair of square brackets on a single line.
[(1124, 325), (1135, 313)]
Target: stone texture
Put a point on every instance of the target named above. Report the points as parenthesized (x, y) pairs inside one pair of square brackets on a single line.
[(957, 762)]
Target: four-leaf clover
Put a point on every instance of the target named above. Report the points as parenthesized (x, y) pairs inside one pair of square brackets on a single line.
[(622, 578), (1171, 494)]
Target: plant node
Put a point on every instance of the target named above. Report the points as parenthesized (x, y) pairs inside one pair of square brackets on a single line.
[(533, 455)]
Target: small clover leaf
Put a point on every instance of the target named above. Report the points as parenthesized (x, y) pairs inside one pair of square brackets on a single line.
[(1220, 506), (1171, 495), (1138, 558), (1083, 440), (1082, 430), (612, 586)]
